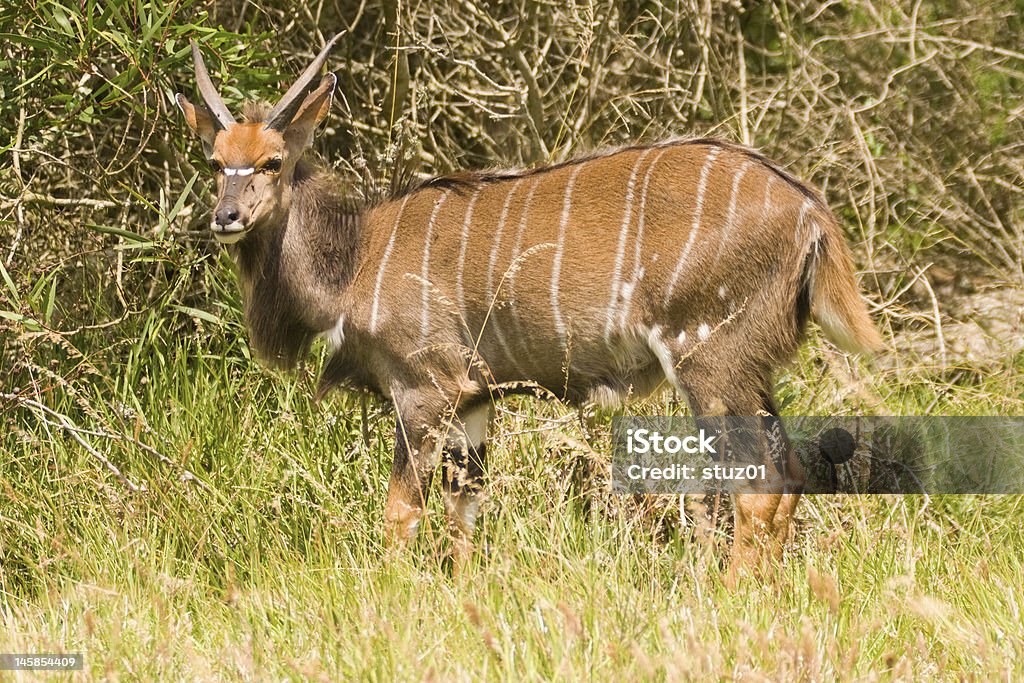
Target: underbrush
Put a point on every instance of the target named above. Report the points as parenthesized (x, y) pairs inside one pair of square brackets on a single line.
[(250, 548)]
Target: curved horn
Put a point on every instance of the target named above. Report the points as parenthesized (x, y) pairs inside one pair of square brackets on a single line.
[(210, 96), (281, 115)]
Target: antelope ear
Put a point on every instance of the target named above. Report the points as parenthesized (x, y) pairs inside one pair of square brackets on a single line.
[(311, 112), (200, 120)]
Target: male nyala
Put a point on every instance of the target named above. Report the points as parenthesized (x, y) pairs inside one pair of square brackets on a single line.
[(692, 264)]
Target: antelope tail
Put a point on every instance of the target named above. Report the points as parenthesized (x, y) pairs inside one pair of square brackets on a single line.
[(835, 300)]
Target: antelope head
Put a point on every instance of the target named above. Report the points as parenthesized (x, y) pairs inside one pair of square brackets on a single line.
[(254, 161)]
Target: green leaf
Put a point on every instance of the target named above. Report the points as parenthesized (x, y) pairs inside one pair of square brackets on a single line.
[(120, 232), (15, 297), (196, 313)]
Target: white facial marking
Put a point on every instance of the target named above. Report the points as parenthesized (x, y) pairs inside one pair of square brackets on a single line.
[(702, 186), (463, 243), (425, 270), (620, 251), (384, 264), (703, 332), (556, 268), (239, 171)]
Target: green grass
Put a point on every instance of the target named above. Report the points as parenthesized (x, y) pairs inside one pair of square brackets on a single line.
[(270, 565), (273, 567)]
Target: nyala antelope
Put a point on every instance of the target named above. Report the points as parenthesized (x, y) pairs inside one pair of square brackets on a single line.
[(693, 264)]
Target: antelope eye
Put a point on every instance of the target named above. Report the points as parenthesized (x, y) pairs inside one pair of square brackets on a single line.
[(272, 166), (215, 167)]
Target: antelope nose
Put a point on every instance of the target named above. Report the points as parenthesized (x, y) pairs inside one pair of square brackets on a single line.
[(226, 215)]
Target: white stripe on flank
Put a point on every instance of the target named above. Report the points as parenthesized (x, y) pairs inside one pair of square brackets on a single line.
[(730, 215), (497, 239), (514, 268), (641, 222), (802, 236), (620, 252), (490, 269), (698, 210), (767, 196), (462, 257), (425, 271), (556, 266), (384, 265), (519, 241)]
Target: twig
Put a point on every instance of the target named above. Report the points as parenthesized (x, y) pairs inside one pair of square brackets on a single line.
[(938, 319), (34, 198), (16, 162), (64, 422)]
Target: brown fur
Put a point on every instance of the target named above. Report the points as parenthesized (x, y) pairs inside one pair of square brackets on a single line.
[(452, 293)]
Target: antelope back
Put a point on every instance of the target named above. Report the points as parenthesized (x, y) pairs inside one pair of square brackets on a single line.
[(598, 274)]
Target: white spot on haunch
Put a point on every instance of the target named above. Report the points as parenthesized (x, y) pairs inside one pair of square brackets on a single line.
[(703, 332), (681, 339), (722, 292)]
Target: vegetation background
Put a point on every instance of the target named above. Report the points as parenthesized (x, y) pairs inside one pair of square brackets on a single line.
[(174, 511)]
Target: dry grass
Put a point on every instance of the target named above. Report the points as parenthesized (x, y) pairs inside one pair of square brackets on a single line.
[(175, 512)]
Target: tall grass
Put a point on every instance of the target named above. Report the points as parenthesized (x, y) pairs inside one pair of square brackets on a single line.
[(174, 511)]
